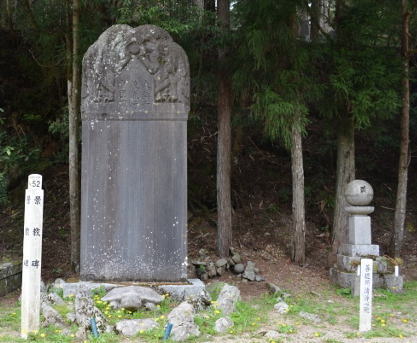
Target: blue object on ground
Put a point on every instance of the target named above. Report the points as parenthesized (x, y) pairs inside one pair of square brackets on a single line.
[(94, 327), (167, 332)]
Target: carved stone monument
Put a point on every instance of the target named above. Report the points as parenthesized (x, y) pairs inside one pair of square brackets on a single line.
[(359, 195), (135, 104)]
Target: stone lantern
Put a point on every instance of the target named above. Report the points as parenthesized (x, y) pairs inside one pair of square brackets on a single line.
[(359, 195)]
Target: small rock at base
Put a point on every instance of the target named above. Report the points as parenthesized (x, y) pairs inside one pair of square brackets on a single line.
[(259, 278), (272, 334), (228, 297), (221, 262), (238, 268), (281, 307), (236, 258), (273, 288), (130, 327), (222, 324), (249, 273)]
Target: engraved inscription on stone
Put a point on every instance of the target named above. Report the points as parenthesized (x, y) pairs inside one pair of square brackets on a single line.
[(139, 67)]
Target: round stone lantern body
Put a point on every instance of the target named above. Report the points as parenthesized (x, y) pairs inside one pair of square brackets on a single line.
[(359, 193)]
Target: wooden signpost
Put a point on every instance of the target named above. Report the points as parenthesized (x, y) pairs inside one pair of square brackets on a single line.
[(32, 253), (365, 307)]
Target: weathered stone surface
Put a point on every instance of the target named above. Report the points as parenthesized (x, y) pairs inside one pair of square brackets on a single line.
[(273, 288), (359, 193), (259, 278), (347, 280), (182, 319), (132, 297), (130, 327), (135, 104), (239, 268), (73, 288), (54, 298), (194, 292), (85, 310), (51, 316), (228, 297), (359, 229), (394, 283), (10, 277), (236, 258), (281, 307), (211, 269), (249, 273), (221, 262), (222, 324), (359, 250)]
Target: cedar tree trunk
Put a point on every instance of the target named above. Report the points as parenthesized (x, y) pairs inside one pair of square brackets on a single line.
[(298, 210), (224, 111), (73, 115), (345, 174), (401, 201)]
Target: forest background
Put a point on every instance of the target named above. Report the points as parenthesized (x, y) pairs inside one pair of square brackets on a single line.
[(290, 100)]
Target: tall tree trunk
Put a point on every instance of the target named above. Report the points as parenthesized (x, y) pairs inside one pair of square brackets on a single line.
[(73, 117), (345, 174), (298, 208), (315, 19), (224, 112), (401, 201)]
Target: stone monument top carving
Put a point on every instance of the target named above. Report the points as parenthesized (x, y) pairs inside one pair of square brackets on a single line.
[(359, 194), (129, 73)]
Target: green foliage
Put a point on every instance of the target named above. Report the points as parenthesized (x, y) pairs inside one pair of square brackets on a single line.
[(345, 292), (280, 116)]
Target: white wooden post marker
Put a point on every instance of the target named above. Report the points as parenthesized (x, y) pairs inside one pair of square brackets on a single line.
[(32, 253), (365, 302)]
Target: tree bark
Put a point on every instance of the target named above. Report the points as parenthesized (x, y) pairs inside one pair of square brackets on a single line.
[(345, 174), (298, 208), (401, 200), (315, 19), (73, 156), (224, 112)]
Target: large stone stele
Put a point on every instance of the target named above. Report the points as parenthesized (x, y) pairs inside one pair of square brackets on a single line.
[(135, 104)]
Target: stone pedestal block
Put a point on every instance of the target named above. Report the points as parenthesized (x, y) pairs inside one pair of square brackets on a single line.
[(394, 283), (347, 280), (359, 229), (350, 264), (362, 250)]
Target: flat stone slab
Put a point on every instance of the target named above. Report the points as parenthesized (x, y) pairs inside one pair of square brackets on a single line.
[(347, 280), (73, 288), (359, 250), (10, 277), (195, 289)]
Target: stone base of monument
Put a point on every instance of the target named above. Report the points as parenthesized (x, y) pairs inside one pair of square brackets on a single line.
[(193, 288), (10, 277)]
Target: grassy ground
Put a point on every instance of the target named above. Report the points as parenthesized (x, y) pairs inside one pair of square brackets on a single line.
[(394, 316)]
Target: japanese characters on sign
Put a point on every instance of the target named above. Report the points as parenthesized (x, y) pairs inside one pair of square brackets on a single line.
[(365, 310), (32, 253)]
